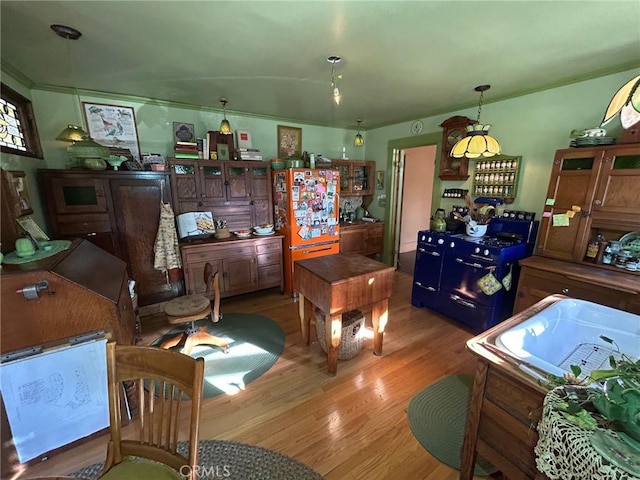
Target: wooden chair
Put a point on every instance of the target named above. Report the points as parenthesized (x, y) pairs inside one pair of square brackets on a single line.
[(189, 309), (165, 381)]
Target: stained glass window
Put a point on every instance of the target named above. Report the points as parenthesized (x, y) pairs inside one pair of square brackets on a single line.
[(18, 131)]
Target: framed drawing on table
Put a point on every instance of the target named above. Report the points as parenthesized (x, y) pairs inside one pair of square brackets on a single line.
[(112, 126), (289, 142)]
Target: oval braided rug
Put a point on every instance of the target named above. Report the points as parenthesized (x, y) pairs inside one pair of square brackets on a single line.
[(255, 344), (234, 461), (437, 417)]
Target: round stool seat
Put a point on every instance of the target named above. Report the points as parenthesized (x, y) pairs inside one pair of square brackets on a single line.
[(187, 305)]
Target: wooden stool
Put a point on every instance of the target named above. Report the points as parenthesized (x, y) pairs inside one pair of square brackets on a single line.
[(189, 309)]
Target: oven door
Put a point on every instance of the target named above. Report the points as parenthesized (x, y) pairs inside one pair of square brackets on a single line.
[(426, 277), (461, 274)]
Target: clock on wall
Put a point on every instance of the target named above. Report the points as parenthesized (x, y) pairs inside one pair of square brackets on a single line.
[(454, 129), (416, 127)]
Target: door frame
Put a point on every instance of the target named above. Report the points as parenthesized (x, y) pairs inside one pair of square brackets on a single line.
[(393, 166)]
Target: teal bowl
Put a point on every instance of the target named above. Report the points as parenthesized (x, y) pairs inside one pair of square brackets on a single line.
[(277, 165)]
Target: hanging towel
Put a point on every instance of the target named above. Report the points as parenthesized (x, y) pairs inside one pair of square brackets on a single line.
[(167, 252)]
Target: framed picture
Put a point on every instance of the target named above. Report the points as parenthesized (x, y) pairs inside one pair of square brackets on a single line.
[(112, 126), (19, 192), (222, 149), (380, 180), (289, 142), (183, 132)]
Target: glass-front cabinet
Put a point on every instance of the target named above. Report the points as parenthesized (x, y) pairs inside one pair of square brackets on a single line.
[(356, 176)]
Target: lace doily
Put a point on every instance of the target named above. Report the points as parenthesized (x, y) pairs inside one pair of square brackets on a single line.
[(564, 451)]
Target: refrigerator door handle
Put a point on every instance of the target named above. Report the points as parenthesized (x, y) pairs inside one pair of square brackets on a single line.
[(304, 252)]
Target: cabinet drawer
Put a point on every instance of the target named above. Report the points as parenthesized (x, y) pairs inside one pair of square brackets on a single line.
[(269, 275), (269, 258), (83, 224), (210, 253), (272, 246)]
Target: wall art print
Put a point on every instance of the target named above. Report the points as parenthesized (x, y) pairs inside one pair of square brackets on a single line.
[(112, 126)]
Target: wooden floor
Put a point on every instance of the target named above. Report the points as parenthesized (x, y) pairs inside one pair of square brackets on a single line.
[(349, 427)]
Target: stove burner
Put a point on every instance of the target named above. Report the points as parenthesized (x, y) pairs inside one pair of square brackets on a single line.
[(497, 242)]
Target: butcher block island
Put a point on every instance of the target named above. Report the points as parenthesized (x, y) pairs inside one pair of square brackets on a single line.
[(340, 283)]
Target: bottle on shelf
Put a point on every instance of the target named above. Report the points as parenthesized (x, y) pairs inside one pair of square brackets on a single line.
[(594, 248)]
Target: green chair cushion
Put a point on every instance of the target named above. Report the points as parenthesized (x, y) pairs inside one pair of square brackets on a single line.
[(141, 469)]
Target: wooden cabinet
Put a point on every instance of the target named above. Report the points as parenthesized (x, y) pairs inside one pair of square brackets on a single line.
[(119, 212), (356, 176), (236, 191), (541, 277), (362, 237), (602, 186), (245, 265)]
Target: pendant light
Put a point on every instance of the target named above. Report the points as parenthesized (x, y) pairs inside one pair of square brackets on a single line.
[(478, 142), (335, 91), (83, 146), (359, 140), (225, 127), (625, 102)]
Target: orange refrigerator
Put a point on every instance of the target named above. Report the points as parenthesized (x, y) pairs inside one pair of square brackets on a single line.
[(306, 203)]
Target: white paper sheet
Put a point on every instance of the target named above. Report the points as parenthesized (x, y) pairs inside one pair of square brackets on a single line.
[(56, 397)]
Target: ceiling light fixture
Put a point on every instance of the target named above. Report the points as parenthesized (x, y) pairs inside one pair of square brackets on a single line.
[(625, 102), (335, 91), (478, 142), (83, 147), (225, 127), (359, 140)]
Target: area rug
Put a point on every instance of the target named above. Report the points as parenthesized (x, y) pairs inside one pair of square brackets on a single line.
[(233, 461), (438, 415), (255, 343)]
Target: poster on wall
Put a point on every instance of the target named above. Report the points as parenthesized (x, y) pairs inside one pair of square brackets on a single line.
[(112, 126)]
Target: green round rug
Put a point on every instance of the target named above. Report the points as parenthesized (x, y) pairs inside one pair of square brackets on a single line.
[(437, 417), (233, 461), (255, 343)]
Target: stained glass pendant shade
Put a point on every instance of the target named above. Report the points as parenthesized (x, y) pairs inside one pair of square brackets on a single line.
[(358, 141), (478, 143), (625, 102), (11, 134)]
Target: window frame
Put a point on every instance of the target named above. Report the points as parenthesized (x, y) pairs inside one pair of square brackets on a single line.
[(28, 121)]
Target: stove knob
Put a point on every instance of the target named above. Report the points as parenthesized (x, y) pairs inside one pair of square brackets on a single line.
[(486, 252), (452, 244), (429, 239), (476, 250), (440, 241), (422, 238)]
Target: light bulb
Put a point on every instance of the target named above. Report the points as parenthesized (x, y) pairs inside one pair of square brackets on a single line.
[(336, 95)]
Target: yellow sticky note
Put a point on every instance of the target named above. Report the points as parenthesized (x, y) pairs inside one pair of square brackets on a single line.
[(560, 220), (570, 213), (550, 201), (576, 208)]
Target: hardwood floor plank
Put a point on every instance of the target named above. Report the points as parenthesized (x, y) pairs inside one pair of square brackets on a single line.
[(349, 427)]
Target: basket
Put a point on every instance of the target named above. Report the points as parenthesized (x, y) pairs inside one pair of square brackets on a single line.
[(351, 339)]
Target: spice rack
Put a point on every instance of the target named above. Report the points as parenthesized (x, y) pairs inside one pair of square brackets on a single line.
[(497, 177)]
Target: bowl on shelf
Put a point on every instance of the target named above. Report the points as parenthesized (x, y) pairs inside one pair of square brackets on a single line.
[(243, 233), (263, 229), (116, 160)]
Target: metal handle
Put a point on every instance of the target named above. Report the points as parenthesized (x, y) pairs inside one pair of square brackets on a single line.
[(476, 265), (431, 289), (598, 202), (565, 291), (429, 252), (304, 252), (462, 302), (92, 234)]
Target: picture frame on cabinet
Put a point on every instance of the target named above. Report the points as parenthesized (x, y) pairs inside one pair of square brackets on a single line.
[(222, 149), (184, 132), (289, 142), (19, 192), (112, 126)]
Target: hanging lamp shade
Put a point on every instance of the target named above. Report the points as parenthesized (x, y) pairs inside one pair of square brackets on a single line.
[(87, 148), (358, 141), (225, 126), (478, 143), (625, 102), (73, 133)]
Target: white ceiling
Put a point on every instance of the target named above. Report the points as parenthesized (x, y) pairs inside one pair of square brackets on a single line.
[(401, 60)]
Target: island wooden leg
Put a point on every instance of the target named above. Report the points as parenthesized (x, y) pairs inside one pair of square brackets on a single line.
[(469, 453), (333, 336), (379, 317), (305, 311)]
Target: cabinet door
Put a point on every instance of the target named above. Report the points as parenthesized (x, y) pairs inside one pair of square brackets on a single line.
[(78, 195), (360, 182), (136, 203), (353, 239), (345, 177), (240, 274), (260, 181), (375, 239), (572, 184), (194, 277), (619, 184), (184, 185), (212, 181), (237, 182)]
